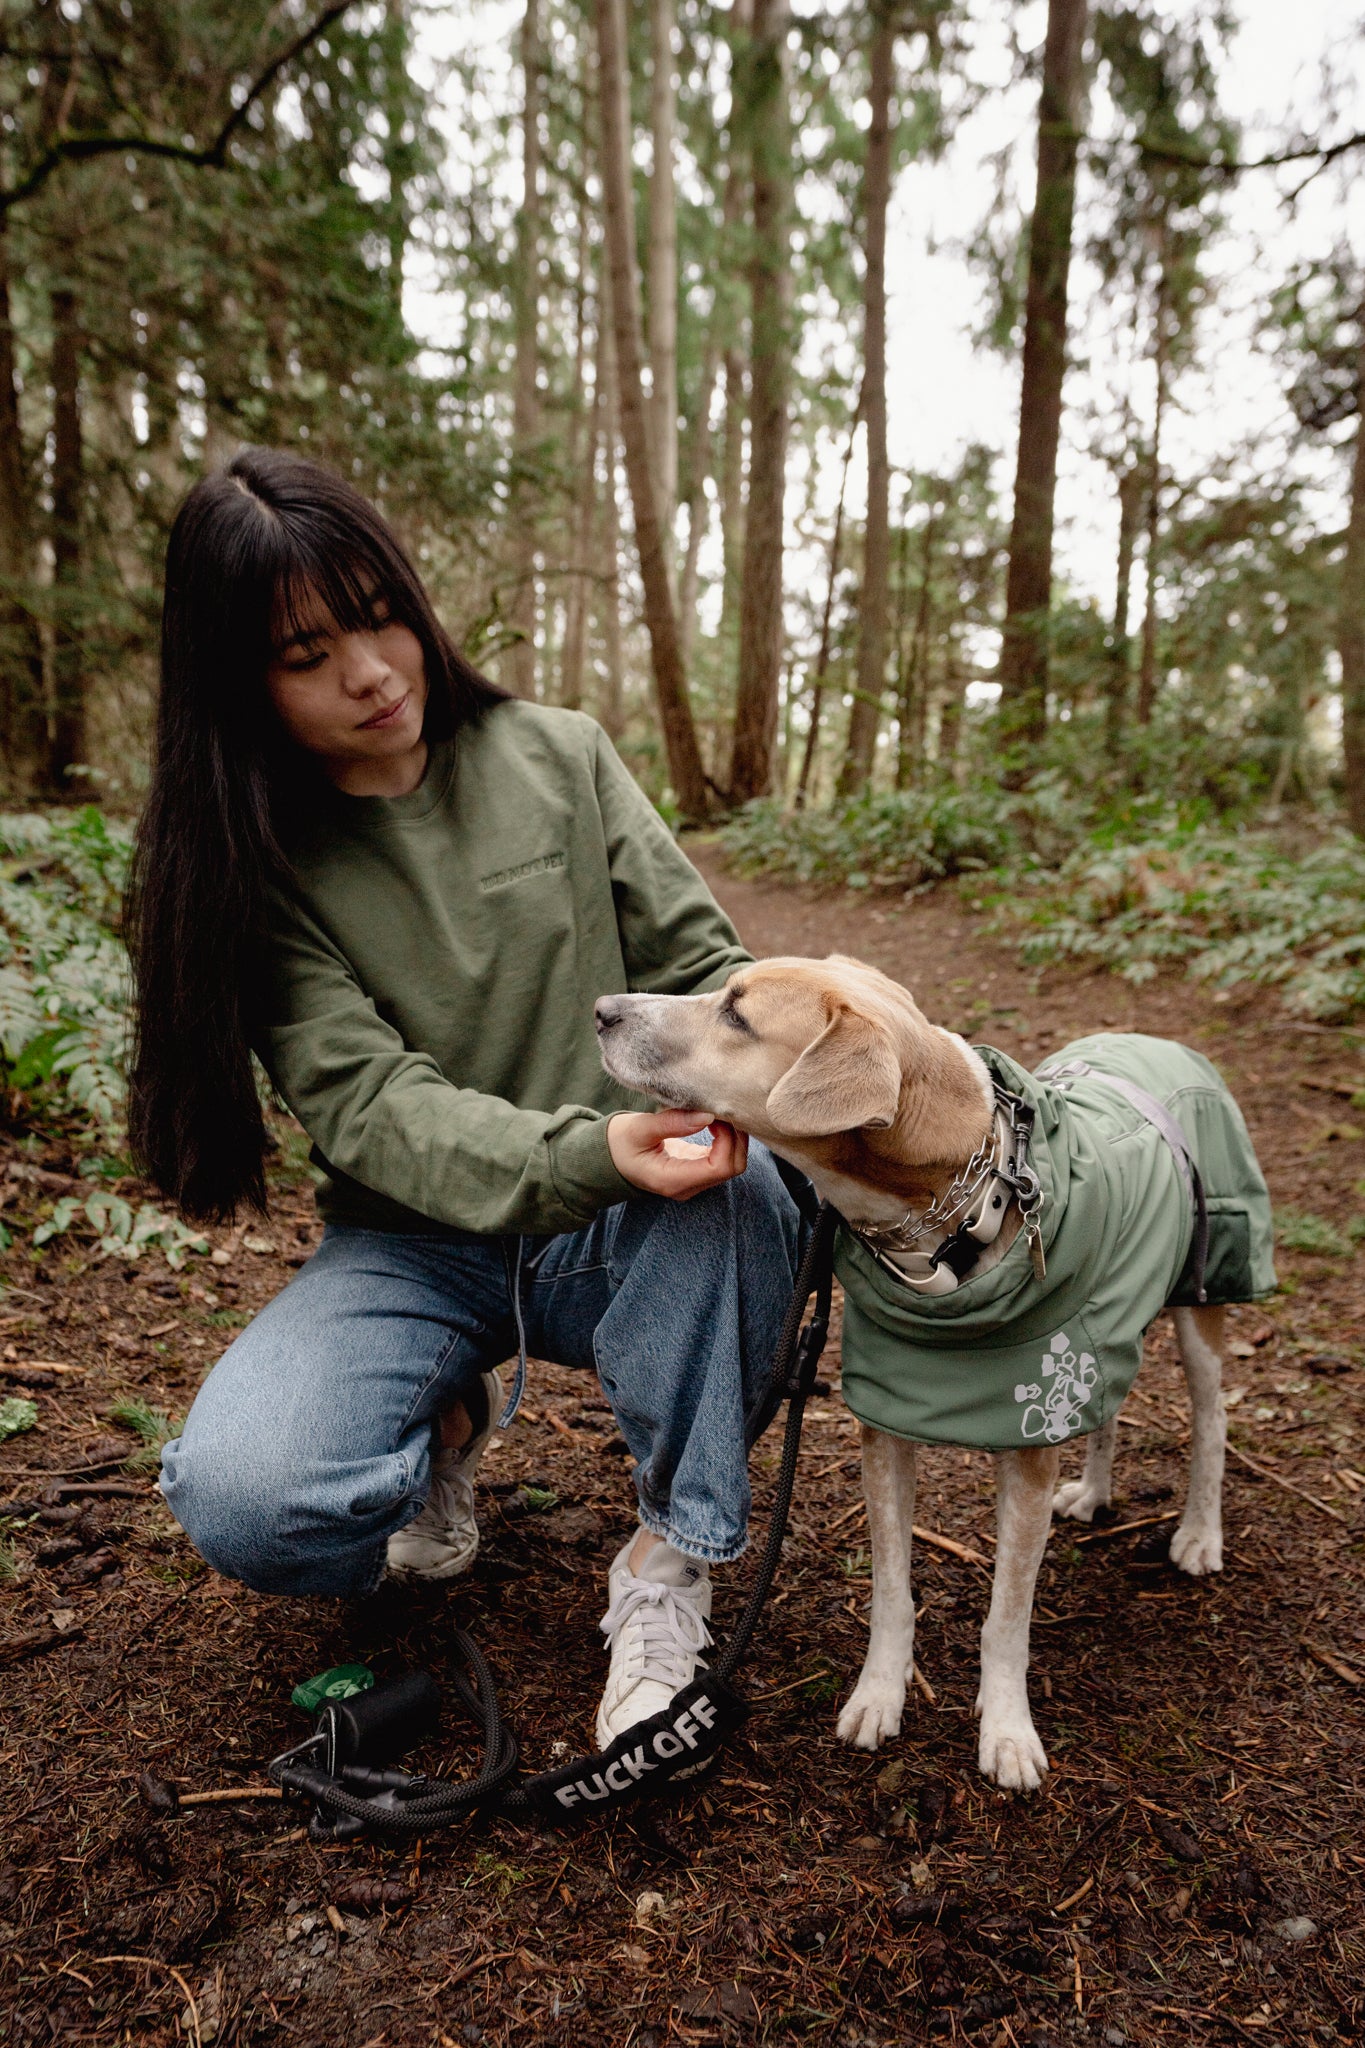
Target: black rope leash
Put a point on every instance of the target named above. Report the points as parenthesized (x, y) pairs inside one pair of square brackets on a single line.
[(345, 1768)]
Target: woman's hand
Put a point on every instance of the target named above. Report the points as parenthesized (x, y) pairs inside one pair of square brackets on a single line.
[(647, 1151)]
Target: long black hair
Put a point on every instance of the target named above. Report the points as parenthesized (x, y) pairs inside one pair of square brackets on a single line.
[(250, 545)]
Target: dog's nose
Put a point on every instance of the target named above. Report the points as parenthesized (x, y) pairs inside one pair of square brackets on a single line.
[(608, 1012)]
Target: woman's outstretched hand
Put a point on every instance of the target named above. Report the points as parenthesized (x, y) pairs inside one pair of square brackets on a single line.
[(646, 1150)]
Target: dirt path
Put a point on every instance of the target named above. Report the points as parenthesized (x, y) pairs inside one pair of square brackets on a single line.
[(1192, 1871)]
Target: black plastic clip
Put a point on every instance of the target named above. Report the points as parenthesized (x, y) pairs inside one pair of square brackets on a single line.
[(351, 1746)]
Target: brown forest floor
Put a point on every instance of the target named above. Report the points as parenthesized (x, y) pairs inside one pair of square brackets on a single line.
[(1207, 1736)]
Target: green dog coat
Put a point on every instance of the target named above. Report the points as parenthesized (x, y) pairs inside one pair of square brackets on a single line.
[(1009, 1359)]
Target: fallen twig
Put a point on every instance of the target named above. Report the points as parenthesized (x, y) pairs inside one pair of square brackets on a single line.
[(1333, 1663), (1122, 1528), (155, 1963), (224, 1795), (937, 1542), (13, 1649), (1266, 1472)]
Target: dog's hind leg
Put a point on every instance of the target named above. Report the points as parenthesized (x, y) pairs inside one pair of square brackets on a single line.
[(1079, 1498), (1197, 1545), (873, 1712), (1009, 1750)]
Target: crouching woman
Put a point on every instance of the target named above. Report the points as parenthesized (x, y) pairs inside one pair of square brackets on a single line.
[(403, 890)]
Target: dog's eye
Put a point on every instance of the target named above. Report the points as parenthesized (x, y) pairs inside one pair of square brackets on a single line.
[(730, 1015)]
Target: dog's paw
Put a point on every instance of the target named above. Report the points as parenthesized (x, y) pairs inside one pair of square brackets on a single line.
[(1197, 1550), (1011, 1756), (873, 1713), (1078, 1500)]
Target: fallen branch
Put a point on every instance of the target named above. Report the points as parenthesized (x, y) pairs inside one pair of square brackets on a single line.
[(1265, 1472)]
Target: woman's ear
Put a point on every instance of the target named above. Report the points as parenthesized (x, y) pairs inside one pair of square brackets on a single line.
[(848, 1079)]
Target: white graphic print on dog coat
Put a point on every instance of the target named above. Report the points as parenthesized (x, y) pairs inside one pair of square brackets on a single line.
[(1054, 1413)]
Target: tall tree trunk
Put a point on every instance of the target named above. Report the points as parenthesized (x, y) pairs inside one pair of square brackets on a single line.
[(1131, 496), (950, 716), (916, 691), (732, 492), (1351, 622), (867, 701), (760, 610), (23, 719), (69, 748), (663, 271), (729, 314), (585, 498), (821, 676), (700, 457), (1147, 677), (398, 152), (670, 682), (611, 708), (521, 611), (1028, 590)]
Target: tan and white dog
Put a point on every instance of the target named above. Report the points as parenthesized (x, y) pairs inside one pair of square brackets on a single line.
[(833, 1066)]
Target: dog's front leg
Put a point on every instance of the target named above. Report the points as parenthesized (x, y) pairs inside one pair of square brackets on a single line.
[(874, 1709), (1009, 1749)]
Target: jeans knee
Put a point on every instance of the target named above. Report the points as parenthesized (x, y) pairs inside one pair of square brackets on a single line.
[(276, 1525)]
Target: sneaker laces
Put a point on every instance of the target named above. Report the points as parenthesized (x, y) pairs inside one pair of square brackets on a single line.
[(668, 1633), (451, 1496)]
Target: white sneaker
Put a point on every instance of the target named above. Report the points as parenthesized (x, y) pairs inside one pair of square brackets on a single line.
[(443, 1540), (656, 1626)]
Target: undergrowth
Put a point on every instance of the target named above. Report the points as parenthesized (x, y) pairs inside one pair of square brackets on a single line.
[(64, 985), (1130, 884)]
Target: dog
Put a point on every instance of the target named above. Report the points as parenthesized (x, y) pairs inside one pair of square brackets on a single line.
[(1007, 1240)]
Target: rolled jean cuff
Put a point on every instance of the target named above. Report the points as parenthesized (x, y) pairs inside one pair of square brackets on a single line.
[(692, 1546)]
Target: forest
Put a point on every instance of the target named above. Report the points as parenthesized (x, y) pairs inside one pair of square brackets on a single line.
[(927, 436)]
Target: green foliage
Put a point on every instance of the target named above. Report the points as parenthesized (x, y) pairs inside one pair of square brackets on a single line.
[(121, 1231), (9, 1562), (1300, 1232), (153, 1426), (17, 1414), (1233, 909), (906, 838), (64, 986)]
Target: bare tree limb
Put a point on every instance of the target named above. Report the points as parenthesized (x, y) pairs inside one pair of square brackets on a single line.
[(81, 148), (1228, 167)]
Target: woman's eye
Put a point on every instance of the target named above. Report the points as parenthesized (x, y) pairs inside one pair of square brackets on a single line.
[(302, 664)]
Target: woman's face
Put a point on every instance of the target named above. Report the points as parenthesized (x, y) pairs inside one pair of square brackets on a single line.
[(353, 700)]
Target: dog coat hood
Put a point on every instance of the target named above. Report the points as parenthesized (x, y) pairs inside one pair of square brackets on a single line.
[(1007, 1359)]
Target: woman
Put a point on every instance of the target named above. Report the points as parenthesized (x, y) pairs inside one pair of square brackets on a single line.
[(403, 891)]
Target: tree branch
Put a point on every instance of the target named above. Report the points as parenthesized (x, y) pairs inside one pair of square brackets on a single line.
[(81, 148), (1228, 167)]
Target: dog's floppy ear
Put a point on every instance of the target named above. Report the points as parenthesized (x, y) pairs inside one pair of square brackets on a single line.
[(846, 1079)]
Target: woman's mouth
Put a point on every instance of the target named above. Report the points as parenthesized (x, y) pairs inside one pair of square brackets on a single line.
[(382, 720)]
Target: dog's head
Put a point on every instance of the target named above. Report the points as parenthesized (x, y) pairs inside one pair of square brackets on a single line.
[(794, 1051)]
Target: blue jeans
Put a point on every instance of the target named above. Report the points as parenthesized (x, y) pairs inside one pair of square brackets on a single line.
[(310, 1441)]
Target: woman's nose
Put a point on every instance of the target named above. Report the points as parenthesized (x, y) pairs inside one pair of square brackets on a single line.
[(363, 666)]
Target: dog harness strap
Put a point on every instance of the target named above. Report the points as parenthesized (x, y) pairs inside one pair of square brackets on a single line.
[(1157, 1114)]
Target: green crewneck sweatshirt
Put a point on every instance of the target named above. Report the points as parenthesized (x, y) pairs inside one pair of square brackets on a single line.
[(435, 968)]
